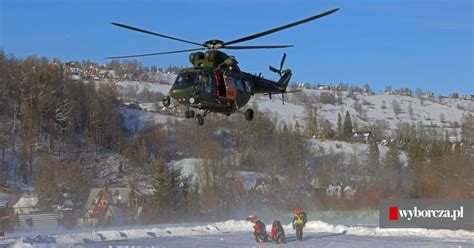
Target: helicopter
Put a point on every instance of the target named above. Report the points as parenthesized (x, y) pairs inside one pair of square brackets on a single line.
[(215, 82)]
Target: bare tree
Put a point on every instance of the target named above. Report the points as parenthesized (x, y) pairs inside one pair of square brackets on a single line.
[(397, 109), (442, 118), (410, 111)]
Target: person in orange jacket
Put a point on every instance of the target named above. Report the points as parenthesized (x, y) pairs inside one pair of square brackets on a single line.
[(299, 221), (278, 234)]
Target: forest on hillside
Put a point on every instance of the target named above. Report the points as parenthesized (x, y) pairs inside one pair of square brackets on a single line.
[(54, 133)]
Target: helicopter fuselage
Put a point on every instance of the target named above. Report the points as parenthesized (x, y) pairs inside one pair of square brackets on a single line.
[(213, 90), (216, 84)]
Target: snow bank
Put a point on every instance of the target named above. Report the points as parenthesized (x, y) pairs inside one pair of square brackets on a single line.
[(228, 227), (319, 226)]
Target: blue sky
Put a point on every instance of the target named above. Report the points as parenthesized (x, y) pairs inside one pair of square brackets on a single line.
[(424, 44)]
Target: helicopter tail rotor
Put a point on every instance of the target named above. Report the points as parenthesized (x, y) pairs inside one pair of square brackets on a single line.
[(280, 71)]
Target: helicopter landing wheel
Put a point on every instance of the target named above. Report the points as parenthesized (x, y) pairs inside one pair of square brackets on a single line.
[(166, 101), (249, 114), (191, 113), (200, 119)]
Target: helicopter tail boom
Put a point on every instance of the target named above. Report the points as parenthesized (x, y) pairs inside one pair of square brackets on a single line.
[(284, 80)]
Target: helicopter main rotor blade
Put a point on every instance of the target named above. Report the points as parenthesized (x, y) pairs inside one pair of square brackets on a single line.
[(255, 47), (156, 34), (254, 36), (153, 54), (282, 61)]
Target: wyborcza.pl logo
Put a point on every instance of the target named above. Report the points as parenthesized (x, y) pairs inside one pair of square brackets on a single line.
[(427, 213), (410, 214)]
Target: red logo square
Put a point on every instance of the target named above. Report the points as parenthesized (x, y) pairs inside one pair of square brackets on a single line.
[(393, 213)]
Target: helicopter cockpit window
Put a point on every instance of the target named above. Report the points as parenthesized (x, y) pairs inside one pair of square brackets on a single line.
[(203, 77), (186, 78)]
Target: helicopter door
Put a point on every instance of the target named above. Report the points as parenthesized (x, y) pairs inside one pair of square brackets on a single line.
[(230, 88), (220, 85)]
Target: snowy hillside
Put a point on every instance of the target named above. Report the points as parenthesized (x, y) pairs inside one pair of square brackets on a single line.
[(435, 112), (375, 108)]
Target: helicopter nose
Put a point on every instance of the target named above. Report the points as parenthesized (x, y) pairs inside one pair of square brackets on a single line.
[(183, 95)]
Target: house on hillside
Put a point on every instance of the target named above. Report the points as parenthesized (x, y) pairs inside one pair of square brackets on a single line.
[(30, 218), (427, 95), (324, 87), (362, 136), (468, 97), (26, 204), (109, 206)]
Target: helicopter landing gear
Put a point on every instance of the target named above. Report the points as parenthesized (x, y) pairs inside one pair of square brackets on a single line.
[(249, 114), (166, 101), (200, 119), (189, 114)]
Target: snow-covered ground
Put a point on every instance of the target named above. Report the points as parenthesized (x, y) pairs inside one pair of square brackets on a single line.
[(313, 240), (238, 233)]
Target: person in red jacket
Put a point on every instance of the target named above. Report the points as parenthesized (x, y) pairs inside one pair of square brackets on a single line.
[(259, 229), (278, 234)]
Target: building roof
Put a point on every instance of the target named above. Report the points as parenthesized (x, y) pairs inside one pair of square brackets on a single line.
[(28, 201), (113, 194)]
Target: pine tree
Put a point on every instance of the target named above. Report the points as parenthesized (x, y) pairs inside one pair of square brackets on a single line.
[(311, 118), (373, 160), (416, 166), (393, 168), (347, 127), (438, 171), (327, 131), (169, 192)]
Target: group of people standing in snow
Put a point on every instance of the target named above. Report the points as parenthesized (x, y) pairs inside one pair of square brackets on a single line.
[(277, 234)]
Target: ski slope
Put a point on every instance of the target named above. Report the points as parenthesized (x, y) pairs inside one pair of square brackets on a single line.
[(238, 233)]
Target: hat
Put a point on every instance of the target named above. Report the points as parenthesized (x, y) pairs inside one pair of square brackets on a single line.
[(252, 218), (298, 211)]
